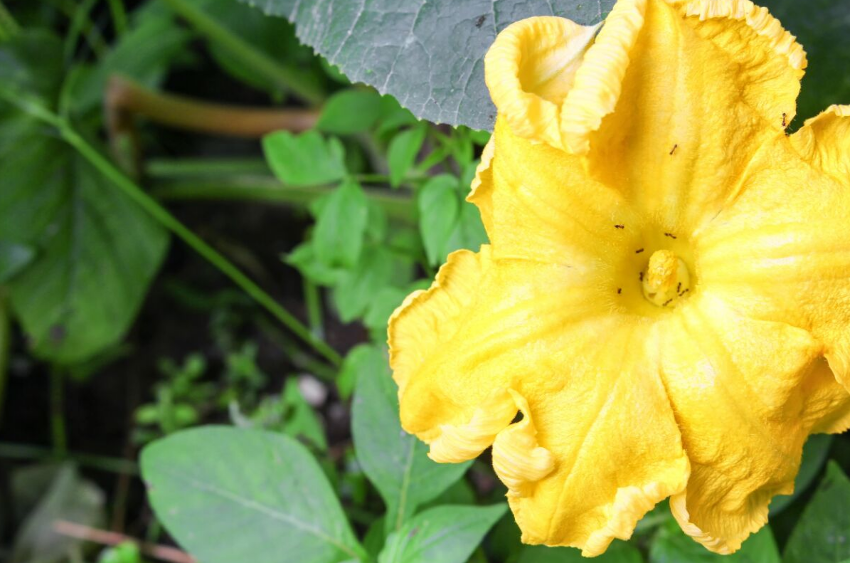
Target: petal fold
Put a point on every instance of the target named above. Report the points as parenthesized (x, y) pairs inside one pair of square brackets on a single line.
[(461, 442), (746, 395), (598, 81), (824, 142), (781, 251), (530, 68), (518, 459)]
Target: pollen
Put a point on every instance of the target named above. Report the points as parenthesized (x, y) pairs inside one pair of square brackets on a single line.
[(667, 279)]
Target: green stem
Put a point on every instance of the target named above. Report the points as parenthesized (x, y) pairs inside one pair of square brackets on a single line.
[(57, 412), (193, 168), (27, 452), (119, 16), (282, 77), (268, 189), (165, 218), (170, 222), (5, 346), (313, 302)]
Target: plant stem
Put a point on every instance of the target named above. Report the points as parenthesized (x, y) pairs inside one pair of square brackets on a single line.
[(269, 189), (113, 465), (313, 302), (5, 346), (125, 97), (282, 77), (119, 16), (57, 412), (169, 221), (165, 218), (104, 537), (193, 168)]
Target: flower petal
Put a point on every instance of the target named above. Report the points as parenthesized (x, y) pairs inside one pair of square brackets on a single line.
[(746, 395), (530, 68), (537, 203), (597, 446), (824, 142), (781, 251), (708, 82)]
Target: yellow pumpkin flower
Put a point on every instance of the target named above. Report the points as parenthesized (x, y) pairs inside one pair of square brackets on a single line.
[(664, 306)]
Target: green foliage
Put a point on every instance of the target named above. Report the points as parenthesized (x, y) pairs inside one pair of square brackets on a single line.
[(402, 153), (341, 226), (618, 552), (396, 462), (671, 545), (64, 495), (350, 111), (305, 160), (448, 534), (271, 497), (376, 202), (815, 452), (823, 533), (429, 56), (96, 252)]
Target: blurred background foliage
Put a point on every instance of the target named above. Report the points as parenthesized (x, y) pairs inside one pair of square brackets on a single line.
[(204, 227)]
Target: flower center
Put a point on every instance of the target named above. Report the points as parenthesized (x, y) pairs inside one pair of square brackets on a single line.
[(667, 279)]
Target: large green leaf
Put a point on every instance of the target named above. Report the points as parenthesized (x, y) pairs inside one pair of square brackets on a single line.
[(822, 534), (231, 495), (96, 252), (444, 534), (395, 461), (429, 55)]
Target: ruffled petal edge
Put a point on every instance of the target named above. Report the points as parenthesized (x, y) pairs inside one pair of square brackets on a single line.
[(552, 48), (598, 81)]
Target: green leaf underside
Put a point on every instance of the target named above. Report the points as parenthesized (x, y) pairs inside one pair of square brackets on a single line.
[(232, 495), (444, 534), (822, 534), (429, 55), (395, 461)]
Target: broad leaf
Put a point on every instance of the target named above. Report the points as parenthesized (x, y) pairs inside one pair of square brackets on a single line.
[(350, 111), (444, 534), (306, 159), (429, 55), (822, 534), (439, 207), (402, 152), (395, 461), (377, 268), (96, 251), (245, 495), (617, 552), (671, 545), (341, 225)]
